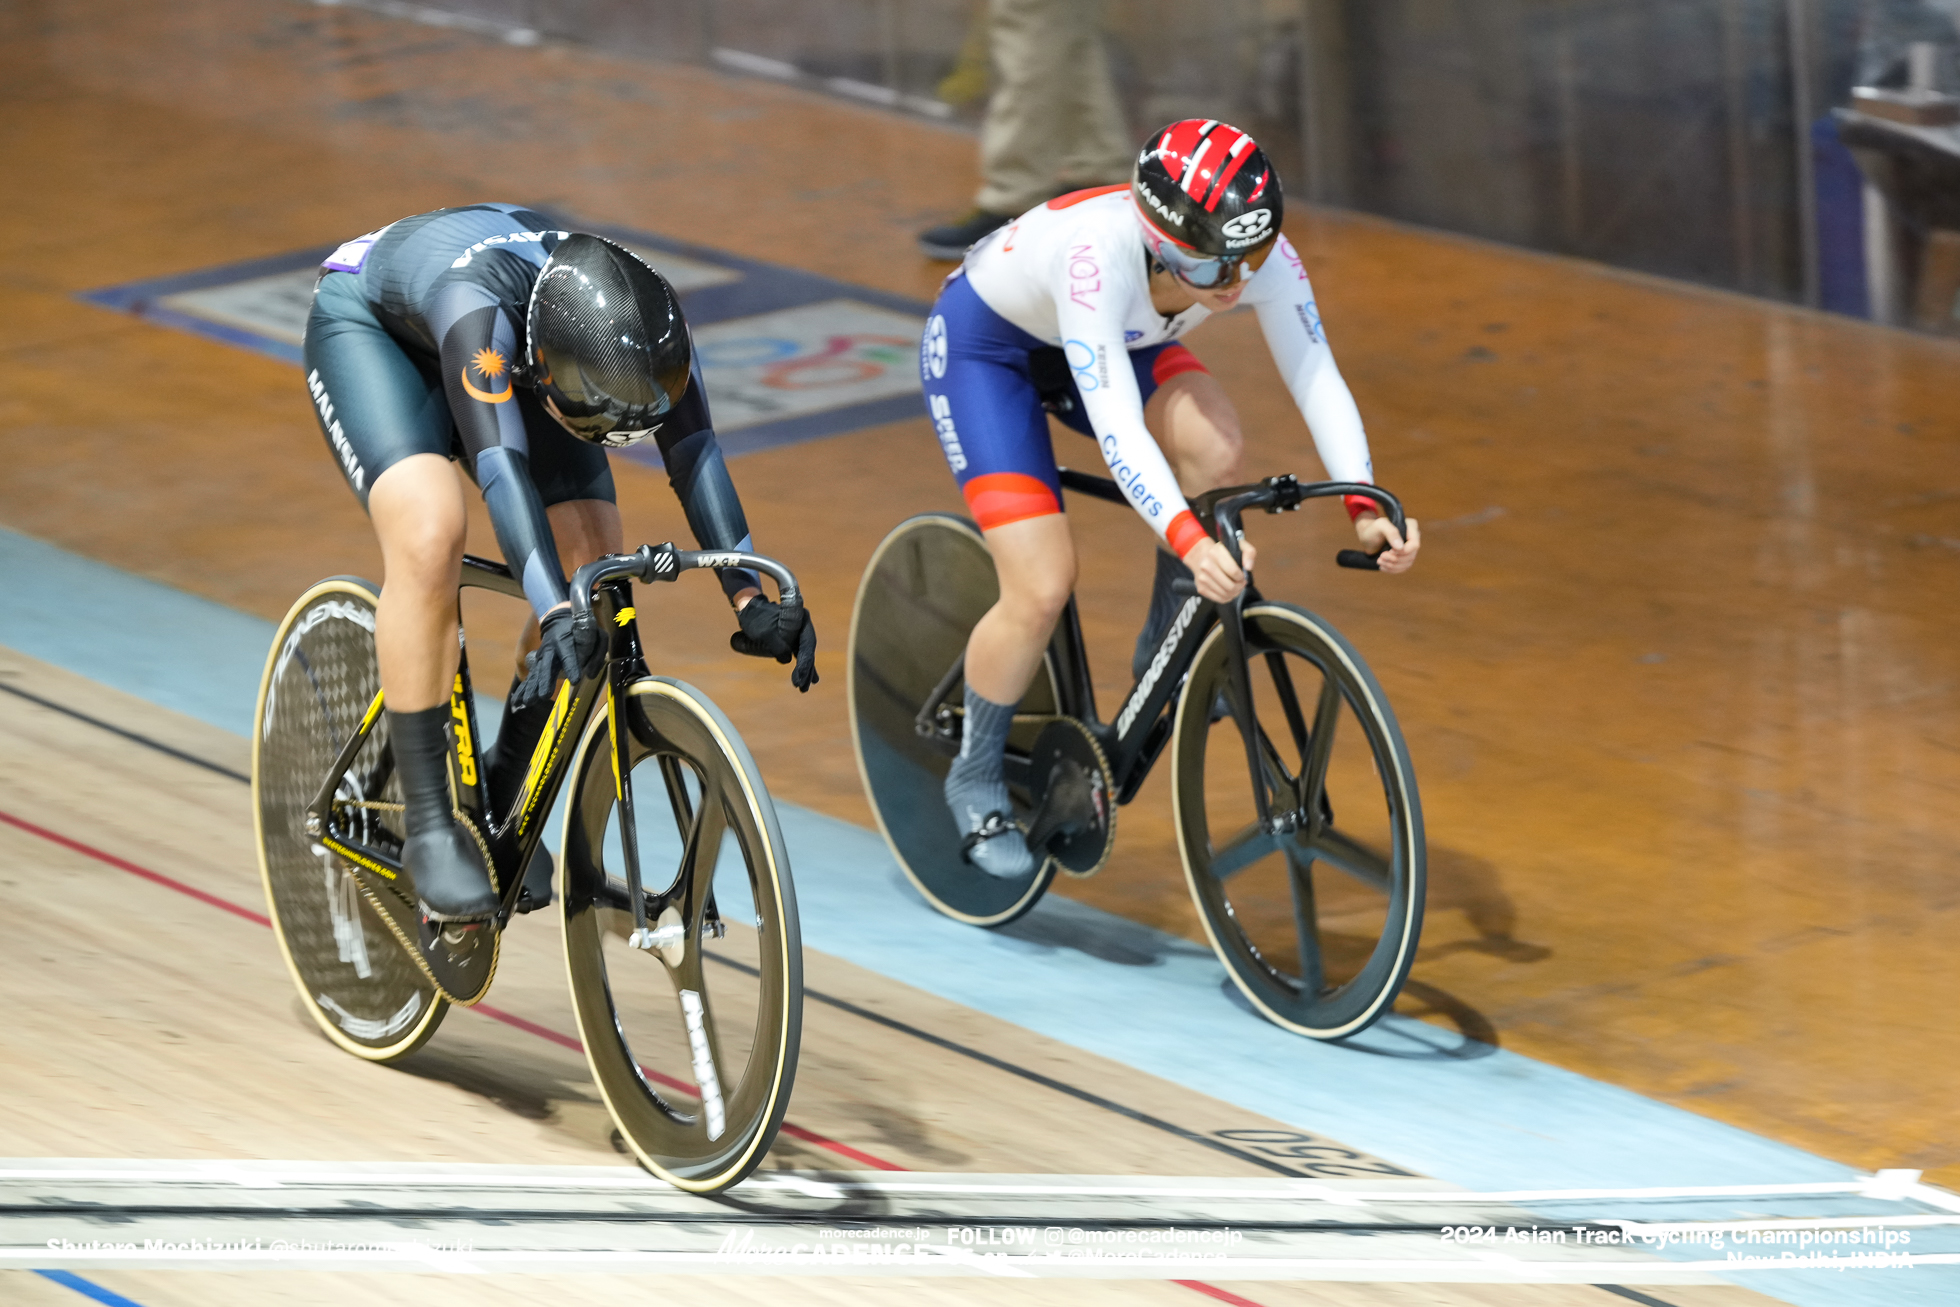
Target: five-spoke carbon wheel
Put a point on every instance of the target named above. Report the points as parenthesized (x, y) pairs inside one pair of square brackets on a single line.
[(365, 992), (693, 1041), (926, 586), (1315, 911)]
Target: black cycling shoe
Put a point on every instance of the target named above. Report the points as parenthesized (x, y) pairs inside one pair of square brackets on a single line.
[(535, 892), (440, 853), (450, 878), (950, 240)]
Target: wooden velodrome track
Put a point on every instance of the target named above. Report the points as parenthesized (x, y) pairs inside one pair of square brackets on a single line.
[(1673, 668)]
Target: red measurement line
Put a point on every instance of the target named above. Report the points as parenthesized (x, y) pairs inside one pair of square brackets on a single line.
[(119, 864), (1213, 1291), (509, 1018), (812, 1137)]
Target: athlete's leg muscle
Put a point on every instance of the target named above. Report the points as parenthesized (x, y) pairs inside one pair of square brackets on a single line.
[(1198, 430), (418, 511), (585, 529), (1035, 559)]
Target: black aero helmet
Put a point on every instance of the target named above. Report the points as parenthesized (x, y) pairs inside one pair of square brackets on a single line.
[(608, 343), (1208, 199)]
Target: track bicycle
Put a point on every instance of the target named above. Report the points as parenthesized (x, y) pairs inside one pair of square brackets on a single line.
[(1298, 819), (650, 893)]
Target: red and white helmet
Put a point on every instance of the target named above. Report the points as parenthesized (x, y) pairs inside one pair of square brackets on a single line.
[(1208, 199)]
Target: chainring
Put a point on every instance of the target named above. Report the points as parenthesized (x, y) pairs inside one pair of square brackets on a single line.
[(1074, 820)]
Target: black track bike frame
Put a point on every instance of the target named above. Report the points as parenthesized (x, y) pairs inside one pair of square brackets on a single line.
[(1144, 723), (602, 600)]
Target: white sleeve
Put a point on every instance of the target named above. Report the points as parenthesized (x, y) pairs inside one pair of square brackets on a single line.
[(1283, 298), (1093, 286)]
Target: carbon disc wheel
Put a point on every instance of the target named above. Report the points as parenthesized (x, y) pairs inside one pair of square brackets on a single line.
[(927, 584), (352, 973)]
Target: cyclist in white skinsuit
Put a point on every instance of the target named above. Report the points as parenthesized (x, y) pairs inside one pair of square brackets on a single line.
[(1080, 304)]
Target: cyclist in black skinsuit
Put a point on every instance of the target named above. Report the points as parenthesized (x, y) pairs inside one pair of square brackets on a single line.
[(486, 335)]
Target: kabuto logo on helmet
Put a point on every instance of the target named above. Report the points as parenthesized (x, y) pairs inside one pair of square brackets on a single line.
[(1249, 228)]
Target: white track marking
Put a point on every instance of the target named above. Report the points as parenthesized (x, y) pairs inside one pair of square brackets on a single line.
[(1883, 1187)]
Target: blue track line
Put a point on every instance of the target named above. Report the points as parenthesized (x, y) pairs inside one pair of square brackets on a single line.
[(88, 1289)]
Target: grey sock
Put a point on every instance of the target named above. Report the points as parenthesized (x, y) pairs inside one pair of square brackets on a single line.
[(976, 786), (982, 743)]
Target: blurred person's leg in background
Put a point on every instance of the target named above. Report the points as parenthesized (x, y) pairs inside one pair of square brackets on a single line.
[(1053, 123)]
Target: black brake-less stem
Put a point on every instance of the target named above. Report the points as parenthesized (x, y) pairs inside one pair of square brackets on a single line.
[(665, 563)]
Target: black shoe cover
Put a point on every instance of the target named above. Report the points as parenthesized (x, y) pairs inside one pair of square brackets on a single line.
[(440, 853), (449, 874)]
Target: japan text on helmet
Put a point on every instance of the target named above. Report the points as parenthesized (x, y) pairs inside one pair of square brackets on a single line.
[(608, 343), (1209, 201)]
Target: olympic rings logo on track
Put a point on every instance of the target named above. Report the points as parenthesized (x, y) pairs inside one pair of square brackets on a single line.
[(843, 360)]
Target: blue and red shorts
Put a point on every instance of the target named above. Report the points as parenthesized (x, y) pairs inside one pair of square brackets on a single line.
[(986, 407)]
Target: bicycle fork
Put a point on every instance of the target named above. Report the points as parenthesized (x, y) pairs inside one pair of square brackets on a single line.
[(629, 838), (626, 664), (1242, 712)]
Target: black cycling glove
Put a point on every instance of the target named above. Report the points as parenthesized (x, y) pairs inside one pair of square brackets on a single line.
[(566, 652), (770, 630)]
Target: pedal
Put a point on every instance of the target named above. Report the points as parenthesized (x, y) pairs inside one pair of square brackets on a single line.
[(1074, 819), (459, 938), (460, 956)]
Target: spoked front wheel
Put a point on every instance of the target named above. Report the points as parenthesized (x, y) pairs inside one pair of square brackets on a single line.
[(693, 1041), (358, 982), (1315, 912)]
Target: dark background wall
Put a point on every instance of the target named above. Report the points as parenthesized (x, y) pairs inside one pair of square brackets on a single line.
[(1670, 136)]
